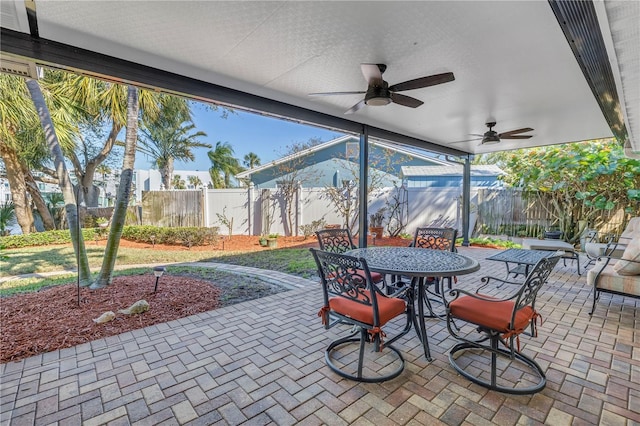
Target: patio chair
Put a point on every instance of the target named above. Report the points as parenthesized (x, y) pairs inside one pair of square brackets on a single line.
[(339, 241), (614, 246), (436, 239), (500, 322), (594, 248), (351, 298)]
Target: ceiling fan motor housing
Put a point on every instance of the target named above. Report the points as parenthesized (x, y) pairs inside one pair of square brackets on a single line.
[(378, 95), (490, 137)]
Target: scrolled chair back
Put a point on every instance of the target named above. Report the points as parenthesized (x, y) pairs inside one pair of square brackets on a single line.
[(435, 238), (335, 240), (534, 281), (345, 276)]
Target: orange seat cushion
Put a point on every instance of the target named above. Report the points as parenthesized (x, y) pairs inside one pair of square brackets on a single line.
[(492, 315), (388, 308), (376, 277)]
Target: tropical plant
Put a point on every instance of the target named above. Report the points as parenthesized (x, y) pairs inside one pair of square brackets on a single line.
[(55, 205), (223, 165), (7, 217), (251, 160), (22, 146), (51, 139), (102, 115), (194, 181), (578, 182), (177, 182), (170, 137), (124, 191)]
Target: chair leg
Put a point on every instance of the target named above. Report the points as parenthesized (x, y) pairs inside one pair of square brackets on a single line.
[(359, 375), (533, 369)]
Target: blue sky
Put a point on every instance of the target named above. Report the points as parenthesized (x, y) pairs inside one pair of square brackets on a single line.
[(246, 132)]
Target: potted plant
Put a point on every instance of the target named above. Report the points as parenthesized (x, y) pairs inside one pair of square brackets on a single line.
[(272, 241), (263, 241), (375, 223)]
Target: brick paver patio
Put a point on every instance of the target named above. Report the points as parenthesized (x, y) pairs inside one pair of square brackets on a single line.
[(262, 362)]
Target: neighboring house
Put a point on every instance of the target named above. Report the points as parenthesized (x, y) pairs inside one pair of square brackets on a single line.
[(333, 162), (5, 191), (451, 176)]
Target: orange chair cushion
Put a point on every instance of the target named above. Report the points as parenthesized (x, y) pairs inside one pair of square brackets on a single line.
[(376, 277), (492, 315), (388, 308)]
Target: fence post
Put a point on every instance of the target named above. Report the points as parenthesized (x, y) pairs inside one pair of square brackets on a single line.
[(205, 206), (250, 192), (299, 207)]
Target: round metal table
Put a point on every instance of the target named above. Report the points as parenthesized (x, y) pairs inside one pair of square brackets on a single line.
[(416, 263)]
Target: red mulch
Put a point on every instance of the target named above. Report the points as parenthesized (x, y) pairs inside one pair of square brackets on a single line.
[(51, 319)]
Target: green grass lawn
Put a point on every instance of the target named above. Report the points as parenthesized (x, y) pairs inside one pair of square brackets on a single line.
[(59, 258)]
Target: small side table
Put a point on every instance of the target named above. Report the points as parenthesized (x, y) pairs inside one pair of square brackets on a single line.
[(523, 258), (553, 245)]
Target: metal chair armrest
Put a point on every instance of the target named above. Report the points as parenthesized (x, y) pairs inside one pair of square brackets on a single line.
[(457, 292), (486, 280)]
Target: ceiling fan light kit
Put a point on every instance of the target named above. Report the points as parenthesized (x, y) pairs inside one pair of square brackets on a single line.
[(490, 138)]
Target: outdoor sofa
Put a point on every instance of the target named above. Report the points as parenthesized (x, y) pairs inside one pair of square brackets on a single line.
[(618, 275)]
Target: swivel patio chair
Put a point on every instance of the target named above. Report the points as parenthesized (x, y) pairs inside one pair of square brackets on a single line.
[(500, 322), (435, 239), (340, 241), (351, 298)]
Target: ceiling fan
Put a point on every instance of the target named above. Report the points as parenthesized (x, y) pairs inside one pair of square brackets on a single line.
[(492, 137), (380, 93)]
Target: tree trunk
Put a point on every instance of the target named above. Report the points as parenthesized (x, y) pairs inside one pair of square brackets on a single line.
[(24, 215), (124, 191), (38, 201), (71, 207)]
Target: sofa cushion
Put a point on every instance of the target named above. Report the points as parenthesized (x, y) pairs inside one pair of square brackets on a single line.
[(632, 230), (610, 280), (632, 252)]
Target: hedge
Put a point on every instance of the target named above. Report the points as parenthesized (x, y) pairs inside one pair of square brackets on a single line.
[(191, 236)]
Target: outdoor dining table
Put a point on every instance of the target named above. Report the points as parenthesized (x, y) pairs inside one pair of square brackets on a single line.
[(417, 263)]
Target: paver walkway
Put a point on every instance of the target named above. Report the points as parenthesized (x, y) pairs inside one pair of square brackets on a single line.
[(262, 362)]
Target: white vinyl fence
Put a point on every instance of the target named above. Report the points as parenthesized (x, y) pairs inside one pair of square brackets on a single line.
[(263, 211)]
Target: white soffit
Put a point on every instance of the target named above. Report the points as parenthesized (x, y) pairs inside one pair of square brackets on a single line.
[(510, 58), (620, 22)]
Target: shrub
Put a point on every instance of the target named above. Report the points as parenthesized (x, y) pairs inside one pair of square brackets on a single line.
[(316, 225), (144, 234)]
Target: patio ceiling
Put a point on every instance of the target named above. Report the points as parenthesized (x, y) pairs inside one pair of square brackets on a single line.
[(511, 60)]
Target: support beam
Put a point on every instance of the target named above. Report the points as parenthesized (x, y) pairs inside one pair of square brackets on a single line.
[(466, 200), (364, 183)]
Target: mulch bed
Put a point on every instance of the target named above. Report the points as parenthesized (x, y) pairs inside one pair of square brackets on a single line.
[(51, 319)]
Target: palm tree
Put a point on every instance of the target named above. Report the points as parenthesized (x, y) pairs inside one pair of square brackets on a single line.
[(169, 138), (251, 160), (22, 146), (103, 170), (177, 182), (51, 139), (103, 112), (124, 191), (223, 165), (7, 217), (195, 181), (55, 205)]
